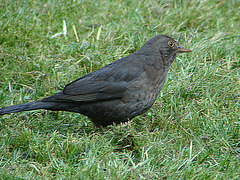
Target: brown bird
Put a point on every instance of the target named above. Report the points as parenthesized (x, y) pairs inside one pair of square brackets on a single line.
[(117, 92)]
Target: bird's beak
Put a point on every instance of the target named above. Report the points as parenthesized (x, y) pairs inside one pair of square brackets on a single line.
[(183, 50)]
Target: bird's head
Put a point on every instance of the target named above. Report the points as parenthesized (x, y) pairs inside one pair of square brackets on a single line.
[(166, 46)]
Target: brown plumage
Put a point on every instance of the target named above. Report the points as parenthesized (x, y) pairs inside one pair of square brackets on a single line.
[(117, 92)]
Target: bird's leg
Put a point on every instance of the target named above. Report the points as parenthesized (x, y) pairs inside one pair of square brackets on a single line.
[(101, 128)]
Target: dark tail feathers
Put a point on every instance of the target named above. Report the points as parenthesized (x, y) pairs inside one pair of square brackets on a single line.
[(26, 107)]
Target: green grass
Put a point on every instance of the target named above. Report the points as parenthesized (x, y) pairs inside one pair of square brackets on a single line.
[(191, 132)]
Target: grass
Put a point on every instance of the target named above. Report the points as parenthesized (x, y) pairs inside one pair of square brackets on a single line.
[(192, 130)]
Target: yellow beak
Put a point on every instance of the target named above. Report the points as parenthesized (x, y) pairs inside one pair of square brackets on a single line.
[(183, 50)]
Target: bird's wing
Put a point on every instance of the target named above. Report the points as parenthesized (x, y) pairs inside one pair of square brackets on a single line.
[(104, 84), (86, 91)]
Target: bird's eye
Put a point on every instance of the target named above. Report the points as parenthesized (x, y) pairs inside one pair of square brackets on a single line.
[(170, 43)]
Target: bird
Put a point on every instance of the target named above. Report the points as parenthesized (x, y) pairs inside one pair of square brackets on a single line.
[(118, 92)]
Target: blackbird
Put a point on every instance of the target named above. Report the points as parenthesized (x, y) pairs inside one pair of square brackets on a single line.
[(117, 92)]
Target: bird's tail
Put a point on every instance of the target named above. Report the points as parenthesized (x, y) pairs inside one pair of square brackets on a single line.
[(26, 107)]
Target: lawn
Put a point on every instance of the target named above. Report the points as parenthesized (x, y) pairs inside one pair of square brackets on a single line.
[(191, 132)]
